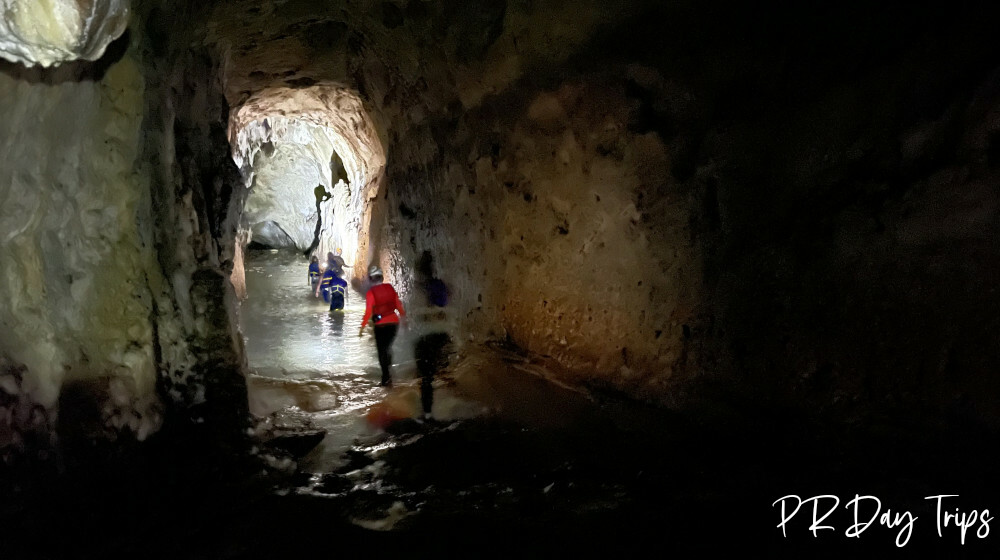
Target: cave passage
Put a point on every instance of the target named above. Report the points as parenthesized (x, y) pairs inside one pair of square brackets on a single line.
[(299, 192), (311, 163), (308, 367), (306, 370), (698, 256), (310, 373)]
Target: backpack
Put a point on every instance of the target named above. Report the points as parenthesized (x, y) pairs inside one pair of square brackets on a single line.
[(437, 292)]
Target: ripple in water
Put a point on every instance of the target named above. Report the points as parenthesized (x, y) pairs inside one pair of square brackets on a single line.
[(307, 363)]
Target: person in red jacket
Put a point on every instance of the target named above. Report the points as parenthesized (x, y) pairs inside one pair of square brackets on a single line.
[(381, 304)]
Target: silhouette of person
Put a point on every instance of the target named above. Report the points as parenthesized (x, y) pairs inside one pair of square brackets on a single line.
[(321, 196), (432, 322), (314, 272), (336, 261)]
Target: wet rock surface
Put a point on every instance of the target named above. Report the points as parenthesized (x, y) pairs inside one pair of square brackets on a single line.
[(679, 483), (296, 443), (631, 479)]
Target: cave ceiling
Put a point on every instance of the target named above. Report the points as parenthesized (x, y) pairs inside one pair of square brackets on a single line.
[(445, 50)]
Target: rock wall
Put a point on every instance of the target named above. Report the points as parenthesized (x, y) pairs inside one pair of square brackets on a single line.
[(119, 211), (74, 298), (51, 32), (602, 271), (282, 192), (846, 225), (809, 225), (197, 195), (855, 245), (560, 231)]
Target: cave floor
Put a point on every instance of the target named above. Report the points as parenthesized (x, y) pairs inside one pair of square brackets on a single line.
[(515, 465), (543, 471)]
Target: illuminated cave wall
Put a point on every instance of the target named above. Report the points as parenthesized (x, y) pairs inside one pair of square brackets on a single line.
[(565, 233), (706, 208), (117, 242), (281, 209), (77, 264), (55, 31)]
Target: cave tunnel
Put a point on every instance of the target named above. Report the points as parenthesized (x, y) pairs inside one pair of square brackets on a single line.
[(707, 272)]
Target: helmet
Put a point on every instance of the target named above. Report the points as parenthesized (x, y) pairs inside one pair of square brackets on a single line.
[(374, 271)]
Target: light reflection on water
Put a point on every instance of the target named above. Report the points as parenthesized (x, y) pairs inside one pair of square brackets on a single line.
[(286, 328), (310, 369), (302, 354)]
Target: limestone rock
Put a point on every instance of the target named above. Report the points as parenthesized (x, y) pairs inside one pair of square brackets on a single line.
[(47, 32)]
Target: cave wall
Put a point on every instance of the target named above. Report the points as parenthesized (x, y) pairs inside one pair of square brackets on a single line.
[(855, 222), (559, 230), (197, 197), (282, 192), (602, 271), (843, 180), (811, 209), (74, 301), (118, 242)]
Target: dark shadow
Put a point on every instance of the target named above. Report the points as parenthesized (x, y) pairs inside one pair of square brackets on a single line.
[(270, 233), (433, 348), (75, 71), (257, 246), (322, 195)]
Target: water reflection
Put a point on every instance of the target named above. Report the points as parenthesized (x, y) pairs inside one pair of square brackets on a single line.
[(310, 368), (333, 324), (303, 367), (288, 331)]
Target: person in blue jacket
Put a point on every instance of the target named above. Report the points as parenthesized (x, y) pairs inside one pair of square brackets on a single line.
[(333, 288), (314, 273), (338, 293), (323, 286)]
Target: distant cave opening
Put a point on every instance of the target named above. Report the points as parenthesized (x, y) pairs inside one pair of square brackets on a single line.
[(312, 162), (311, 159)]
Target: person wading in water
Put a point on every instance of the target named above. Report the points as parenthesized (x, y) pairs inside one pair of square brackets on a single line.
[(381, 306)]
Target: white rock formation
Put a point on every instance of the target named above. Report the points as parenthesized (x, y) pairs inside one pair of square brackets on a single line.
[(283, 192), (74, 291), (321, 135), (281, 208), (47, 32)]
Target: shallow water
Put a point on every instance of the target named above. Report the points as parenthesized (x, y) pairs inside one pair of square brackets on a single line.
[(310, 369), (517, 466), (506, 442), (289, 332), (307, 363)]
